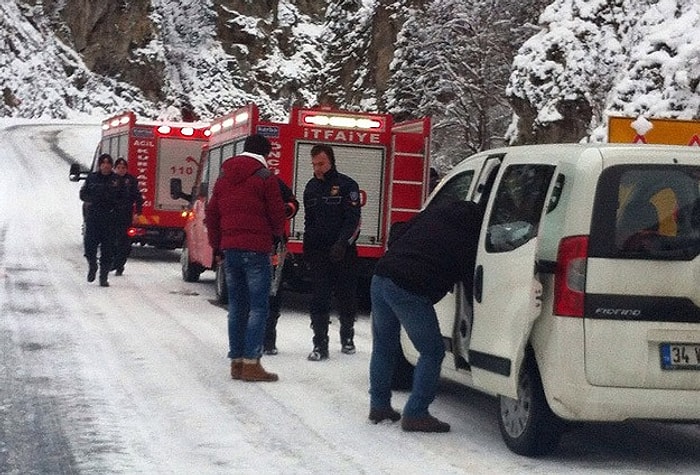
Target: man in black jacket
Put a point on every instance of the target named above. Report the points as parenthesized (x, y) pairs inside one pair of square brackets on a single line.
[(425, 258), (331, 227), (100, 194)]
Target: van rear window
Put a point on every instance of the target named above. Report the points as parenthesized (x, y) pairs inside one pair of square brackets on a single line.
[(647, 212)]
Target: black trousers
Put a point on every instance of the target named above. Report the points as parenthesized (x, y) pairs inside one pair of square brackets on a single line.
[(329, 279), (274, 315), (99, 233), (122, 242)]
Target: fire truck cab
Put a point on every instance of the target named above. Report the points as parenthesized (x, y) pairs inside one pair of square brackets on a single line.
[(155, 153), (389, 161)]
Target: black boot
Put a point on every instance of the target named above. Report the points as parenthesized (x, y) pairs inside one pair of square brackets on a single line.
[(320, 351), (103, 279), (347, 333), (269, 346), (92, 271)]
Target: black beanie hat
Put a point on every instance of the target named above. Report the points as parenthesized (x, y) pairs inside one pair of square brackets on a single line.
[(257, 144), (105, 157)]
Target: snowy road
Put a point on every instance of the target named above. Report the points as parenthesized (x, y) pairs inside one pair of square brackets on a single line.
[(133, 378)]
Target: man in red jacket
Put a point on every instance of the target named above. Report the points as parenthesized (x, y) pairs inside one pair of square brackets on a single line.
[(244, 217)]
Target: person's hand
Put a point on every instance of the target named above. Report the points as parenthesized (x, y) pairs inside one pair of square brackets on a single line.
[(219, 257), (337, 252)]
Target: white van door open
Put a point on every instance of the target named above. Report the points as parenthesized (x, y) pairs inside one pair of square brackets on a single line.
[(507, 293)]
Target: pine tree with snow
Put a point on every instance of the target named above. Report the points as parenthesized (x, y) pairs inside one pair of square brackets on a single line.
[(453, 63)]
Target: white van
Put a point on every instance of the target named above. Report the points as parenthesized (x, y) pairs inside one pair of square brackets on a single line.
[(586, 297)]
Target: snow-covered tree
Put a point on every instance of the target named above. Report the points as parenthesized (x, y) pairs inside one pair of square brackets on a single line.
[(345, 80), (595, 57), (452, 63)]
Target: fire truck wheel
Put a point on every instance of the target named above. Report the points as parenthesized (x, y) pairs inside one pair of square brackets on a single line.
[(190, 270), (220, 286)]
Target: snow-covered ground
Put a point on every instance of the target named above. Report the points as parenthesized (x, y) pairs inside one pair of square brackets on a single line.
[(133, 378)]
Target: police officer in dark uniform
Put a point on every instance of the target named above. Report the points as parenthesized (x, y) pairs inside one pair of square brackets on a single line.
[(100, 194), (129, 201), (331, 227)]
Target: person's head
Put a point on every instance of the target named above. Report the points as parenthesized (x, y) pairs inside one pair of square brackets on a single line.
[(120, 166), (322, 159), (257, 144), (105, 163)]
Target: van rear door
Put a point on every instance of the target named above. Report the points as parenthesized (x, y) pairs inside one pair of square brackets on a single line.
[(507, 293), (642, 303)]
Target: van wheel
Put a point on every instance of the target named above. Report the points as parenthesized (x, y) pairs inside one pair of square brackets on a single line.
[(190, 270), (220, 285), (528, 425)]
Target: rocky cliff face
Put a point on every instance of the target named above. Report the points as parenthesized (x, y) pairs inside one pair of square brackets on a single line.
[(205, 56), (110, 37), (268, 51)]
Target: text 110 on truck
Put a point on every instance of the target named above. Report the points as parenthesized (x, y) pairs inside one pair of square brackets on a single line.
[(155, 152), (389, 161)]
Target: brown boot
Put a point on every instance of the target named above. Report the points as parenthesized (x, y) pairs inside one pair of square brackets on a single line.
[(252, 370), (236, 366)]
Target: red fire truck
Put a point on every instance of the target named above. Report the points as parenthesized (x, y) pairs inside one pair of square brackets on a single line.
[(155, 152), (389, 161)]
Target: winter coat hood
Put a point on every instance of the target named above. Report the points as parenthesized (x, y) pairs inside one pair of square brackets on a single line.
[(236, 170)]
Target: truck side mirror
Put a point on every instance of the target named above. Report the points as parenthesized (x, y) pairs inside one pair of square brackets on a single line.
[(363, 198), (75, 173)]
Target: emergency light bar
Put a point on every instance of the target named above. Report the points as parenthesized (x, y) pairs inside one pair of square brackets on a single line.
[(341, 121), (229, 122), (116, 122)]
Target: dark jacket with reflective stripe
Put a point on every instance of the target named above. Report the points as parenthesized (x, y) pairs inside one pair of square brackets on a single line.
[(331, 211), (100, 194)]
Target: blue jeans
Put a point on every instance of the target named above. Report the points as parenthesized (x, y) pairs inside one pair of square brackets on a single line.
[(393, 307), (248, 276)]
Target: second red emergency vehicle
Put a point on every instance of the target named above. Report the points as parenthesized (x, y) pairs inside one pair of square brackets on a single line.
[(155, 152)]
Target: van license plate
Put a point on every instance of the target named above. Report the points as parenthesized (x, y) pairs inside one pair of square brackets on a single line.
[(680, 356)]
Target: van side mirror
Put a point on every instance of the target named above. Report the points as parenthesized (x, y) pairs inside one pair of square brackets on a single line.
[(75, 173), (176, 192)]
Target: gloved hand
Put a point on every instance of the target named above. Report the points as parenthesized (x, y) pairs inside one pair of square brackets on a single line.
[(277, 240), (337, 252), (290, 208)]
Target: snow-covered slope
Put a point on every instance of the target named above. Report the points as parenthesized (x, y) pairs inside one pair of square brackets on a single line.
[(591, 59)]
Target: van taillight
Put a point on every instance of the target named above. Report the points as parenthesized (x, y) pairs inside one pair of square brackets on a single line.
[(570, 276)]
